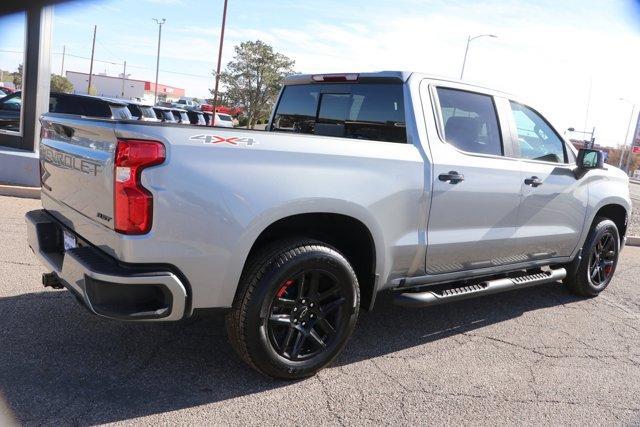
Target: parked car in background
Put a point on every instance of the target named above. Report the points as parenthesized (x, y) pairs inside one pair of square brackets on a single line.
[(4, 91), (181, 116), (141, 111), (63, 103), (164, 114), (187, 104), (223, 120), (10, 107), (196, 117), (208, 116)]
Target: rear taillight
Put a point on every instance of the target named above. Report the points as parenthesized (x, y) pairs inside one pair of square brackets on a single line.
[(133, 204)]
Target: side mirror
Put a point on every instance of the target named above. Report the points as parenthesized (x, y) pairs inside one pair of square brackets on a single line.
[(590, 159)]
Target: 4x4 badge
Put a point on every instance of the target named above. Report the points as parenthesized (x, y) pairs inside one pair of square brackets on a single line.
[(215, 139)]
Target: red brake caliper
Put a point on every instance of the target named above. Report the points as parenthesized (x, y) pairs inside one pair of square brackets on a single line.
[(285, 286)]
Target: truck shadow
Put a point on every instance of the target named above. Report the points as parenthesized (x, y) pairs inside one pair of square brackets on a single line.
[(60, 364)]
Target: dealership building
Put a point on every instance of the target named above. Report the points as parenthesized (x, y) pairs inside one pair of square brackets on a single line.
[(19, 157), (122, 87)]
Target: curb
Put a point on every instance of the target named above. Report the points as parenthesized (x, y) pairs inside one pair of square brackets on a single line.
[(18, 191), (633, 241)]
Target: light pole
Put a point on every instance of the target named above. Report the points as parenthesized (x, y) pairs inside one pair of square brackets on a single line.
[(626, 138), (160, 22), (466, 51), (215, 89)]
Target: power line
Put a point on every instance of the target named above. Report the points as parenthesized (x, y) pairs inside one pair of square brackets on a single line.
[(119, 64)]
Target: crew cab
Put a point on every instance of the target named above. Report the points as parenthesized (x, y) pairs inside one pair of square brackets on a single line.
[(431, 189)]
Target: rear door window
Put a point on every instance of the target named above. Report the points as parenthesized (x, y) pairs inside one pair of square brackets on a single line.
[(371, 111), (470, 121)]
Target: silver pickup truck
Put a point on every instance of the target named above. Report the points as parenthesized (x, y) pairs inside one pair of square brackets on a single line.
[(431, 189)]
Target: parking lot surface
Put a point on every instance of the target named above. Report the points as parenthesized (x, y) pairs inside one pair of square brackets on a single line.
[(536, 356)]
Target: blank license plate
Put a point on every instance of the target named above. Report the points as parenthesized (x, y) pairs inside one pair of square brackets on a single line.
[(69, 241)]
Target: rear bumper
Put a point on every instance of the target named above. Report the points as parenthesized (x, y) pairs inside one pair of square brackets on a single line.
[(107, 288)]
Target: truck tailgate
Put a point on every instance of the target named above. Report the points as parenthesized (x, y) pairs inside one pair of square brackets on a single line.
[(76, 165)]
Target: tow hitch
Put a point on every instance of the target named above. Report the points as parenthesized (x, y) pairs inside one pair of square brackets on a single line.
[(51, 280)]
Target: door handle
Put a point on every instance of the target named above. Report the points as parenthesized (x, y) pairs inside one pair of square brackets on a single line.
[(534, 181), (452, 177)]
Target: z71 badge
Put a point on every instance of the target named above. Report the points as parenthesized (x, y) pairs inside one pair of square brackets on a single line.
[(215, 139)]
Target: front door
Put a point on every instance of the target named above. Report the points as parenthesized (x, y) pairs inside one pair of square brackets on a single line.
[(476, 185), (553, 208)]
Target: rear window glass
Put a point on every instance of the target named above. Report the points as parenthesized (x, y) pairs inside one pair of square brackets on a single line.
[(65, 105), (120, 112), (373, 111), (97, 108), (225, 117), (147, 112), (134, 110)]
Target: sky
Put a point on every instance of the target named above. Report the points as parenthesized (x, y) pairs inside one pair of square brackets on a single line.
[(573, 60)]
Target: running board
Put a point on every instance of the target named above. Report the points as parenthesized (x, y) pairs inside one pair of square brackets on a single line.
[(428, 298)]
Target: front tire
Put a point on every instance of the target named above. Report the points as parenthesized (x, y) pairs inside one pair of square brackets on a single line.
[(296, 308), (599, 260)]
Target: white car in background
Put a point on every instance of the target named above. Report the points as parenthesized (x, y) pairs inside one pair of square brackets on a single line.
[(223, 120)]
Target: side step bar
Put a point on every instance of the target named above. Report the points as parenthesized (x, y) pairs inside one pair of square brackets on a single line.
[(428, 298)]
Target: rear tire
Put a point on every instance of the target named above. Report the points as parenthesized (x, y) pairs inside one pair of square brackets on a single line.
[(296, 308), (599, 260)]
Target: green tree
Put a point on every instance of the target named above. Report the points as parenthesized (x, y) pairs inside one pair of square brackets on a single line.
[(254, 77), (17, 77), (60, 84)]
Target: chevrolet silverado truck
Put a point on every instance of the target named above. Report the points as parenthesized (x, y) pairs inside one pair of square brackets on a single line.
[(433, 190)]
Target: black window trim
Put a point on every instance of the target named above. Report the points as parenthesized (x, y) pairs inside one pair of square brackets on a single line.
[(433, 89)]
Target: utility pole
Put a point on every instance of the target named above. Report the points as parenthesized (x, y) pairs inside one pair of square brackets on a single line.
[(124, 77), (630, 154), (160, 22), (64, 52), (215, 89), (626, 136), (93, 51)]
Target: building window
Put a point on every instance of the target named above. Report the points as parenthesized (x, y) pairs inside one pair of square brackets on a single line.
[(12, 48)]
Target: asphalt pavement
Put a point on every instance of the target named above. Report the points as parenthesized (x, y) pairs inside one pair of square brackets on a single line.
[(536, 356)]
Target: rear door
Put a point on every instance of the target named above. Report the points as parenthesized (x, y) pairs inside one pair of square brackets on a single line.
[(553, 208), (476, 183)]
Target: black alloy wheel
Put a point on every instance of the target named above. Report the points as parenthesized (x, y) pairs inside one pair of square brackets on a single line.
[(305, 314)]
